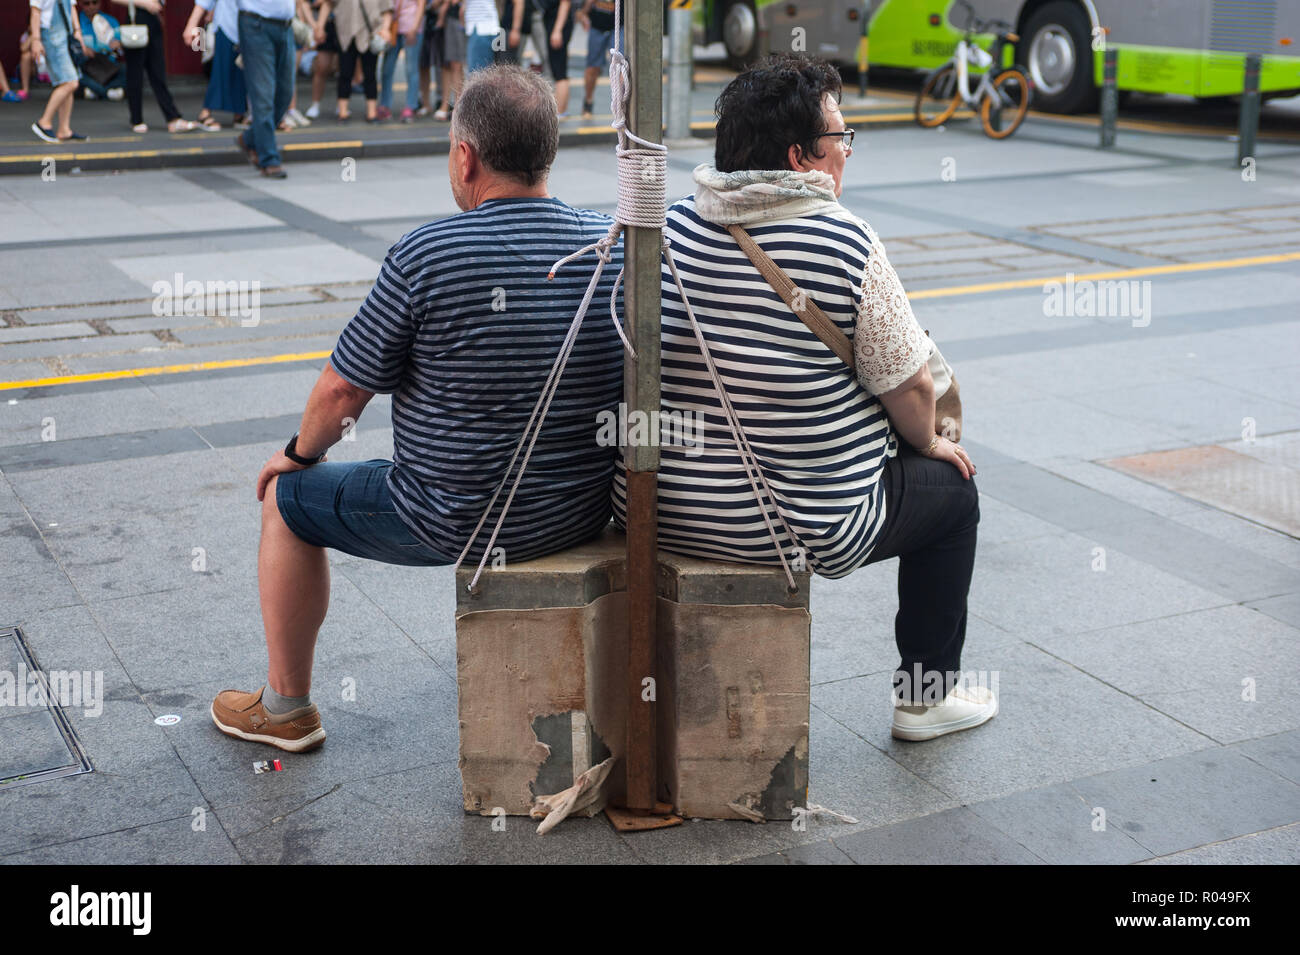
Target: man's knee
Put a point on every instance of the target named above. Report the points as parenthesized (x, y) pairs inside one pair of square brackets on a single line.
[(270, 505)]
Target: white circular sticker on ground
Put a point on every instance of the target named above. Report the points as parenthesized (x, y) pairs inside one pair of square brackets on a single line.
[(171, 719)]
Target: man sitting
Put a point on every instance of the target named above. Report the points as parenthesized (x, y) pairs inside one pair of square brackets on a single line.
[(462, 328)]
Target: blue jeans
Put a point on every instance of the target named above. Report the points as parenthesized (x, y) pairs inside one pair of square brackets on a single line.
[(479, 52), (412, 73), (347, 506), (268, 54)]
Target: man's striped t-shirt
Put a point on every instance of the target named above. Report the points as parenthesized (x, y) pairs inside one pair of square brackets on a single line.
[(462, 328), (821, 439)]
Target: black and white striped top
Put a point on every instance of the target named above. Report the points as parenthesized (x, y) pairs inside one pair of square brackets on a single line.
[(820, 437), (462, 328)]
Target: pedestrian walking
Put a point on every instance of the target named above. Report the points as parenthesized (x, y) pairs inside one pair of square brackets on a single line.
[(227, 92), (361, 27), (266, 46), (53, 25)]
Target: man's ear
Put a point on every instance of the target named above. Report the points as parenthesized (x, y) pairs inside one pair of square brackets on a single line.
[(469, 164), (795, 156)]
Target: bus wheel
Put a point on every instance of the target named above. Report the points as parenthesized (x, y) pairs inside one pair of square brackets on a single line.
[(740, 33), (1056, 51)]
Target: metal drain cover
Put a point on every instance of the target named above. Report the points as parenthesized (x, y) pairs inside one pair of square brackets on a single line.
[(37, 740)]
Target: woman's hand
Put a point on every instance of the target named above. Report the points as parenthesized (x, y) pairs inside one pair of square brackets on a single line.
[(513, 41), (38, 48), (557, 38), (946, 450)]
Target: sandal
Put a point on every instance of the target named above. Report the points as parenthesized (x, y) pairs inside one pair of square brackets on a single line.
[(182, 126), (139, 128), (207, 123)]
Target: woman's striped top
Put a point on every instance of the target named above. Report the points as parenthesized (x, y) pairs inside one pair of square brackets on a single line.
[(821, 438), (462, 327)]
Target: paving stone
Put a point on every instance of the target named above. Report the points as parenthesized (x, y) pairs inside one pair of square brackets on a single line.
[(1193, 799), (952, 837), (1039, 737), (1055, 824), (1279, 846), (1194, 667), (1279, 753), (174, 842)]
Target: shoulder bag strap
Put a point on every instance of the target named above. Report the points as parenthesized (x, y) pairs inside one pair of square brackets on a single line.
[(817, 321)]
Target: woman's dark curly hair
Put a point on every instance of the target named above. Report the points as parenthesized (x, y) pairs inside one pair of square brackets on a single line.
[(770, 107)]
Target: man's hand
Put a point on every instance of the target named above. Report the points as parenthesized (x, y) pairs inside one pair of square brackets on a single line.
[(278, 464)]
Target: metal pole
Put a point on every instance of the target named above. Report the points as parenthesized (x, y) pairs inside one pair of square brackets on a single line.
[(641, 387), (1248, 124), (677, 110), (1109, 98)]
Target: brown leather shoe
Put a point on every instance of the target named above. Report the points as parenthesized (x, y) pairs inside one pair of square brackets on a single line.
[(248, 151), (243, 715), (274, 172)]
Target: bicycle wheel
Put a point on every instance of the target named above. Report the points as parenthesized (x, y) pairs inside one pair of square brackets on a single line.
[(939, 97), (1002, 111)]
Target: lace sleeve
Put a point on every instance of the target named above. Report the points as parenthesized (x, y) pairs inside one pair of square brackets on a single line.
[(889, 345)]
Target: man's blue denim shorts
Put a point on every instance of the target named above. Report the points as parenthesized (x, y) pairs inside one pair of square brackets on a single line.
[(347, 506)]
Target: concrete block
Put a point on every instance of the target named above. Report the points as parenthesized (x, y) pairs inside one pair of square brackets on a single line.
[(540, 658)]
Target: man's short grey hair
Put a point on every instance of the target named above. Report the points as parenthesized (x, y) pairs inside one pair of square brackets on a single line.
[(508, 115)]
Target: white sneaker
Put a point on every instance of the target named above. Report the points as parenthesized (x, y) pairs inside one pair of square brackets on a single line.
[(86, 92), (116, 93), (963, 708), (299, 119), (313, 111)]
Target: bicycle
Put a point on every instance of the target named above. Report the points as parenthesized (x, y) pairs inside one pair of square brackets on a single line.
[(1002, 96)]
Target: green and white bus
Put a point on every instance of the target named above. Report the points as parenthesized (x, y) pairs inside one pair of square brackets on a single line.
[(1191, 47)]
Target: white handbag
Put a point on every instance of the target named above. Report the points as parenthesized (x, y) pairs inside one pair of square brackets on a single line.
[(134, 36)]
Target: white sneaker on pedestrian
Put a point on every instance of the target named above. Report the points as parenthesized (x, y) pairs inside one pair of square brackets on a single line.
[(965, 707), (313, 111), (298, 118), (116, 93)]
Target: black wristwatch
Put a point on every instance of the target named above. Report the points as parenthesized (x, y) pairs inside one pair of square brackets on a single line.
[(291, 452)]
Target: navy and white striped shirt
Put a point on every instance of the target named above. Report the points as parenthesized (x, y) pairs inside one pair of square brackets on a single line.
[(463, 328), (820, 437)]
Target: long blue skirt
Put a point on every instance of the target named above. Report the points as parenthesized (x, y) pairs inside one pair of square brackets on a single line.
[(226, 90)]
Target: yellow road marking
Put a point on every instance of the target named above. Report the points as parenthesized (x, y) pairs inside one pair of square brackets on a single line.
[(338, 144), (130, 154), (163, 370), (1115, 274), (920, 294)]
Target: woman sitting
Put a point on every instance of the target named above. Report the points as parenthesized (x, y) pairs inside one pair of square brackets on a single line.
[(852, 455)]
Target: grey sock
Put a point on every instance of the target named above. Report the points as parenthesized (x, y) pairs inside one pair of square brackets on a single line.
[(277, 704)]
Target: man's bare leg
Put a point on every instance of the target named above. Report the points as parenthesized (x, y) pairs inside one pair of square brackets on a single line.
[(293, 578)]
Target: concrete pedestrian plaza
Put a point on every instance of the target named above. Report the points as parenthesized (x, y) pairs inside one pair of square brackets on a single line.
[(1137, 584)]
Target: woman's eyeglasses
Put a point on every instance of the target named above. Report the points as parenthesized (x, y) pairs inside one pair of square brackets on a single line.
[(845, 137)]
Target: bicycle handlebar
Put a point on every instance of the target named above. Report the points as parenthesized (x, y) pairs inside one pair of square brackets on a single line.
[(975, 25)]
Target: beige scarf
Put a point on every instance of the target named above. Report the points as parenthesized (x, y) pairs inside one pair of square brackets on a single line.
[(760, 195)]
